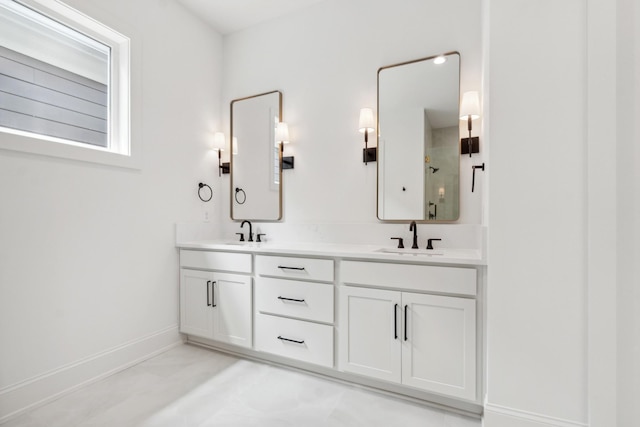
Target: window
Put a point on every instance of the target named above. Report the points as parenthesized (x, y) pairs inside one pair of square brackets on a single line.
[(64, 83)]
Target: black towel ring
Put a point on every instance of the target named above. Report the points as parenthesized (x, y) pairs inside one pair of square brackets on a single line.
[(200, 187), (244, 196)]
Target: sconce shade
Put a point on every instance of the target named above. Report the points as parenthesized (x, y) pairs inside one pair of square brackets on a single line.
[(470, 106), (366, 120), (282, 133), (218, 141), (234, 145)]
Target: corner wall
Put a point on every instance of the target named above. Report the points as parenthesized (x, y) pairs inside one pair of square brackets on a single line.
[(537, 244), (88, 267)]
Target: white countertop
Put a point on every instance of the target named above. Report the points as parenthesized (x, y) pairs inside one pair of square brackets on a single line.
[(347, 251)]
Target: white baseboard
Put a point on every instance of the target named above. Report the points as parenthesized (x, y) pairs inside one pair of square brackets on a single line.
[(501, 416), (19, 398)]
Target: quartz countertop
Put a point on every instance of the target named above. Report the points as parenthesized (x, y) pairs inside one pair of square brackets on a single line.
[(346, 251)]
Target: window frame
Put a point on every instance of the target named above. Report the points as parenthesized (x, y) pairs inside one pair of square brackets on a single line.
[(121, 150)]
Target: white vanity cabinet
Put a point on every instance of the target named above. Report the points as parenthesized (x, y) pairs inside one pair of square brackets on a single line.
[(294, 308), (394, 327), (215, 303), (407, 325)]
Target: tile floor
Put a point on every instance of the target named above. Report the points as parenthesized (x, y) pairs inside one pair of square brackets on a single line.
[(192, 387)]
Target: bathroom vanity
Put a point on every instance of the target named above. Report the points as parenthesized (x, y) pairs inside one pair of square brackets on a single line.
[(402, 321)]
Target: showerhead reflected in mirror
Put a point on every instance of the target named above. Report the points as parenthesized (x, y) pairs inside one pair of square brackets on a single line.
[(418, 139)]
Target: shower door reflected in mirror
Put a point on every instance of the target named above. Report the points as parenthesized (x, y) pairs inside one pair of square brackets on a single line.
[(418, 139), (256, 175)]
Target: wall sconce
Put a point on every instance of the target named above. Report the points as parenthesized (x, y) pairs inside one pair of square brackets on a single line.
[(226, 166), (367, 125), (218, 145), (282, 137), (470, 110)]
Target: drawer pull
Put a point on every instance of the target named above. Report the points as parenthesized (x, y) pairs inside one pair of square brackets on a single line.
[(291, 299), (208, 295), (290, 340), (291, 268)]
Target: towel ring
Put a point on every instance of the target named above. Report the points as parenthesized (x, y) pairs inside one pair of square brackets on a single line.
[(200, 187), (243, 196)]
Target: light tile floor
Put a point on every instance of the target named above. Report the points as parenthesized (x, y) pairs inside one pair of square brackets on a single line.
[(193, 387)]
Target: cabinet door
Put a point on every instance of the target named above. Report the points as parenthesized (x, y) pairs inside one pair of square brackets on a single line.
[(439, 353), (196, 314), (232, 309), (370, 332)]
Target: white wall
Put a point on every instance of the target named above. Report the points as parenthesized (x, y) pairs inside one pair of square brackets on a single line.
[(537, 361), (562, 284), (325, 60), (628, 196), (88, 267)]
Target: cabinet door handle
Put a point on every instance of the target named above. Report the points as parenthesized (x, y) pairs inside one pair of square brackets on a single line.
[(290, 340), (291, 299), (291, 268), (395, 322), (406, 310), (208, 294), (213, 294)]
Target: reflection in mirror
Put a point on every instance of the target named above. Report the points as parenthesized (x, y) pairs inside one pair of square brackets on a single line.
[(256, 176), (418, 139)]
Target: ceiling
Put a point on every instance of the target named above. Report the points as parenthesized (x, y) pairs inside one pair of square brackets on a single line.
[(228, 16)]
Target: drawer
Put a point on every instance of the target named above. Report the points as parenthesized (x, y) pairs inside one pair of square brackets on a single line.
[(428, 278), (209, 260), (295, 268), (304, 300), (295, 339)]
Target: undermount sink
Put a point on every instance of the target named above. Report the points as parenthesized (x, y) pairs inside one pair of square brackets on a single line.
[(415, 252)]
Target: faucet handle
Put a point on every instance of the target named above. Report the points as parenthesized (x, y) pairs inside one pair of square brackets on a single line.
[(400, 242), (429, 245), (241, 236), (258, 240)]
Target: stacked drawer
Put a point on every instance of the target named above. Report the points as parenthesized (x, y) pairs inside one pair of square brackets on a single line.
[(294, 300)]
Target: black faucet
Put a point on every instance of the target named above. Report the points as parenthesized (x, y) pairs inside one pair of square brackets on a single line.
[(413, 227), (250, 229)]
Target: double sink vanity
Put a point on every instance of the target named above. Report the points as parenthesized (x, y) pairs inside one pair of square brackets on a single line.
[(404, 321)]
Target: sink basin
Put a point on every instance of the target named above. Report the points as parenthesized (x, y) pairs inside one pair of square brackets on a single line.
[(409, 252)]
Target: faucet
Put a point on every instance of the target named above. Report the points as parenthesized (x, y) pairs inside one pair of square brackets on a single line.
[(250, 229), (413, 227)]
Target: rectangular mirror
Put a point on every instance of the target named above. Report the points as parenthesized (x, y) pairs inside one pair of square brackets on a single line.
[(418, 140), (256, 174)]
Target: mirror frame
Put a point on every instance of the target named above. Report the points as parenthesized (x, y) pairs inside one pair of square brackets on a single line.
[(421, 221), (231, 187)]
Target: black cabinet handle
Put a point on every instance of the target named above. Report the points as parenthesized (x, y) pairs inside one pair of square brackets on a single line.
[(291, 268), (213, 294), (395, 322), (291, 299), (290, 340), (208, 295), (406, 310)]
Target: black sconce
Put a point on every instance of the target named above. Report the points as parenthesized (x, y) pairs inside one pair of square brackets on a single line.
[(469, 111), (366, 126), (282, 138), (218, 145)]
